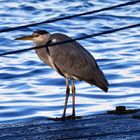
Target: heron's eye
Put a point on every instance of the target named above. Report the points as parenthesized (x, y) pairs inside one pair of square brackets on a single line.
[(36, 35)]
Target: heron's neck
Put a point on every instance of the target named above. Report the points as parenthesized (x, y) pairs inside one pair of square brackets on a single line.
[(42, 40)]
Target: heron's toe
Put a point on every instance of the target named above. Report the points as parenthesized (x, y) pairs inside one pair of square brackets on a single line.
[(73, 117)]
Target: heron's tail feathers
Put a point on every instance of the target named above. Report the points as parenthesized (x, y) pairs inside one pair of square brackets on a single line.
[(100, 81)]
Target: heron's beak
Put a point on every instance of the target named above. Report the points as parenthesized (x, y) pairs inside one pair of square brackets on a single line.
[(29, 37)]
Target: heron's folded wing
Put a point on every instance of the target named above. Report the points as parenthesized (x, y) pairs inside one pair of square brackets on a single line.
[(73, 59)]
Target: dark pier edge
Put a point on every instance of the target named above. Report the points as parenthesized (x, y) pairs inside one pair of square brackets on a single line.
[(107, 126)]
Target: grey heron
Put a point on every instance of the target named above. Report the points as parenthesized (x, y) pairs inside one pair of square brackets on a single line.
[(71, 60)]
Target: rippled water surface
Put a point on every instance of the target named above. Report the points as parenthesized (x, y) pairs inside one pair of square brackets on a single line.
[(31, 90)]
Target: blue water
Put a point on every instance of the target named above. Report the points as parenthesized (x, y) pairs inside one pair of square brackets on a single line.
[(31, 90)]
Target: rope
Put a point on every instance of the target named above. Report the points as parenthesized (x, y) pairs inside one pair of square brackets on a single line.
[(69, 17), (78, 38)]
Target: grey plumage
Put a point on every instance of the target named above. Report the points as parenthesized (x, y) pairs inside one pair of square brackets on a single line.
[(75, 60), (70, 60)]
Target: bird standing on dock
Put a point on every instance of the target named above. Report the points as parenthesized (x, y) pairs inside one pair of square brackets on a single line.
[(70, 60)]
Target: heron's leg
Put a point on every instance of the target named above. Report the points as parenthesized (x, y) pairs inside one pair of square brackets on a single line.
[(73, 98), (67, 96)]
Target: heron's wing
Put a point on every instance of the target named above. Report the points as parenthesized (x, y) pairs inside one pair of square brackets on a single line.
[(73, 59)]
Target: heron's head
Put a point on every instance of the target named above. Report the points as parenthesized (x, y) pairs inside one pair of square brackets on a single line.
[(39, 37)]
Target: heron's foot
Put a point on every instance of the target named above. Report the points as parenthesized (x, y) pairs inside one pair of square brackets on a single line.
[(71, 117)]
